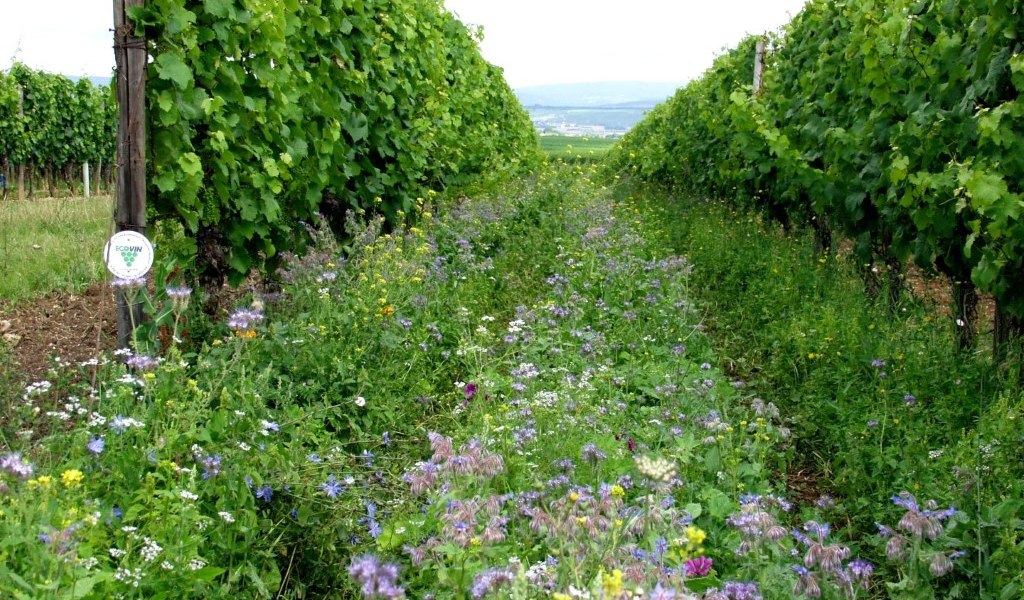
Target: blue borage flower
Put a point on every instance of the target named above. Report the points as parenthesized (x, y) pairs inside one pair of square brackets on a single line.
[(265, 493), (332, 487), (210, 464), (370, 520), (96, 445)]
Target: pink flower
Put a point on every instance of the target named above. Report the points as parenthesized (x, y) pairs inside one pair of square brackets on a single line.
[(698, 567)]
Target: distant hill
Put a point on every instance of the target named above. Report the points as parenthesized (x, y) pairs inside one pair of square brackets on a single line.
[(619, 94)]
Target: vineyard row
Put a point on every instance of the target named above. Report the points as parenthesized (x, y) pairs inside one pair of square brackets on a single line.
[(897, 123), (50, 127)]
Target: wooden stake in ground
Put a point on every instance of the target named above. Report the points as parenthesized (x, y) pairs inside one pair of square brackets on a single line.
[(85, 179), (21, 167), (759, 65), (130, 55)]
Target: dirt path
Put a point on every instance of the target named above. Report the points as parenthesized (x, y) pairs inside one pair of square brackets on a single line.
[(75, 327)]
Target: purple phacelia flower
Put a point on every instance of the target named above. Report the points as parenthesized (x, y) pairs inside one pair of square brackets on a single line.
[(13, 464), (592, 454), (376, 579)]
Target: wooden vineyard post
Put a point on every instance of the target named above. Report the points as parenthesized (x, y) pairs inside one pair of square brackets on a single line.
[(130, 57), (85, 178), (759, 65), (21, 167)]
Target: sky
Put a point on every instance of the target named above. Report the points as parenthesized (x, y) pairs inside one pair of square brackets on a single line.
[(535, 41)]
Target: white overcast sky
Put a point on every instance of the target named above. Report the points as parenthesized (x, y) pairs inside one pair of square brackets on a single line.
[(535, 41)]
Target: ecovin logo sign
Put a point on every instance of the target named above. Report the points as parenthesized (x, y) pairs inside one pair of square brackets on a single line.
[(128, 255)]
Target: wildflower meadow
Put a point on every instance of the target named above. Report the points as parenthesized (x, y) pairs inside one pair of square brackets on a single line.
[(513, 395)]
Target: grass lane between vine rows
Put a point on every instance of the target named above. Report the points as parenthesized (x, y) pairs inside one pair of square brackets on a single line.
[(515, 398), (883, 409)]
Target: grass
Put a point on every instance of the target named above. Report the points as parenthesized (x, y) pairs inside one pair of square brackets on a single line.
[(877, 403), (51, 245), (578, 148)]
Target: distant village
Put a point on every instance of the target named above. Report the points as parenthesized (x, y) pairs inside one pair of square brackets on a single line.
[(597, 122), (595, 110), (547, 128)]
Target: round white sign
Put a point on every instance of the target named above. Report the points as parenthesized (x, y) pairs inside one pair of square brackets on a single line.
[(128, 254)]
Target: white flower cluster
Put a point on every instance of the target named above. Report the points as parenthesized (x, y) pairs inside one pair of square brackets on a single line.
[(196, 563), (88, 563), (545, 399), (228, 517), (656, 469), (37, 387), (149, 550), (120, 424), (127, 576), (187, 495), (129, 379)]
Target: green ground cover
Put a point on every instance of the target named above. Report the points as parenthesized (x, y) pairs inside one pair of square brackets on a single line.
[(555, 389), (51, 245), (572, 148), (294, 441), (877, 403)]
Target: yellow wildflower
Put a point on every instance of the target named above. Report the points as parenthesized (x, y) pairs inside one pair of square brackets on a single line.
[(695, 536), (612, 584), (72, 477), (42, 482), (618, 491)]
